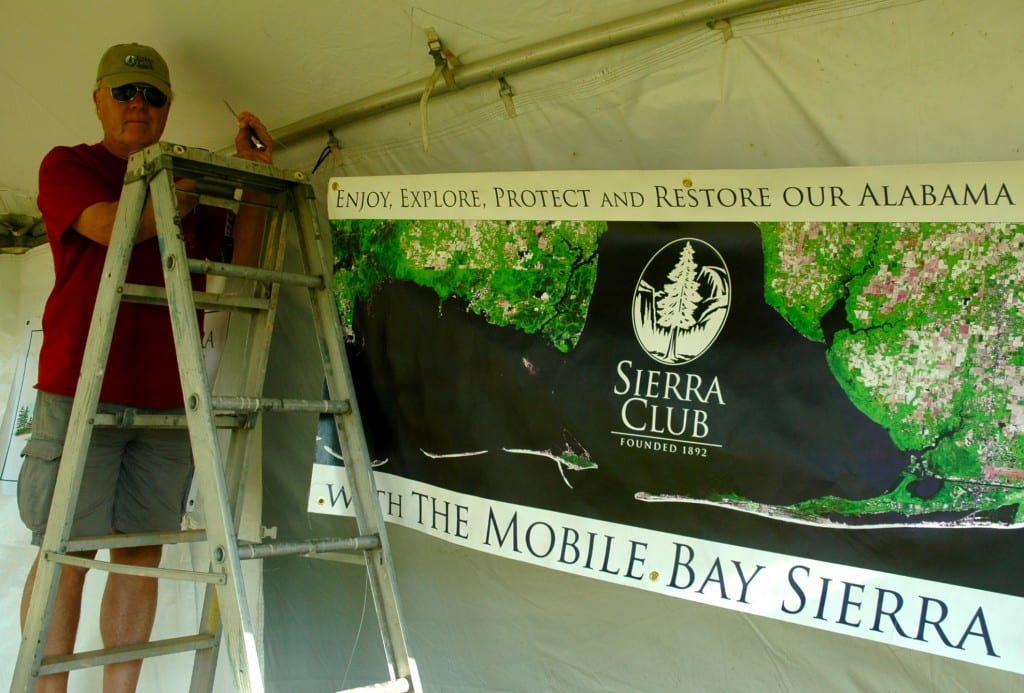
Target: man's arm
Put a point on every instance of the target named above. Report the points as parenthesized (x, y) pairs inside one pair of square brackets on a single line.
[(249, 222), (96, 222)]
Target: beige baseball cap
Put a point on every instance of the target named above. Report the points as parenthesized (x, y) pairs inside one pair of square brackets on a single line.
[(128, 63)]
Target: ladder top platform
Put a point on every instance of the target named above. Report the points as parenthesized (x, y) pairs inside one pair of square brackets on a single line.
[(203, 165)]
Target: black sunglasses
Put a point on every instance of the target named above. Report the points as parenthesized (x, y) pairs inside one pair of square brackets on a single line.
[(151, 95)]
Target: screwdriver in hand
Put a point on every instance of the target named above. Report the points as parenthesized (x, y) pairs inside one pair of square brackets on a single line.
[(256, 141)]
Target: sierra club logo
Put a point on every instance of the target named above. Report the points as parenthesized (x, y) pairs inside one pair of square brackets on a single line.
[(678, 322), (680, 305)]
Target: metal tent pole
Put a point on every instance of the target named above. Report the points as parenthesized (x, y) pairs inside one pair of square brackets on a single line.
[(610, 34)]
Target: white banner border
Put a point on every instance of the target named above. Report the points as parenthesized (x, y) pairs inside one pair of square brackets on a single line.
[(973, 192), (937, 618)]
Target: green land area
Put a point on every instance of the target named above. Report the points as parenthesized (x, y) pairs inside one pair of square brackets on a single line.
[(931, 346), (534, 276)]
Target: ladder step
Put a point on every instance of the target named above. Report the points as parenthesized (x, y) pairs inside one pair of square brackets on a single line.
[(396, 686), (120, 541), (272, 549), (127, 653)]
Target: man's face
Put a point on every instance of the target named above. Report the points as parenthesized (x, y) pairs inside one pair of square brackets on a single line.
[(128, 126)]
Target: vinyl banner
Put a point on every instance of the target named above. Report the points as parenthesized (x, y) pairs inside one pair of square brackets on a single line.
[(793, 393)]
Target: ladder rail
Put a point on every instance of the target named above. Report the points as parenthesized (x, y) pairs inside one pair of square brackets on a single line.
[(204, 437), (358, 463), (78, 437)]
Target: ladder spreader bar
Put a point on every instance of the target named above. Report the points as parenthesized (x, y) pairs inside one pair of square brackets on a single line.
[(274, 549), (224, 269), (157, 295), (253, 404), (137, 570)]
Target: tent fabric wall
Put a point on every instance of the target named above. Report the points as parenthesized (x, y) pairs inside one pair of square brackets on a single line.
[(25, 280), (826, 83)]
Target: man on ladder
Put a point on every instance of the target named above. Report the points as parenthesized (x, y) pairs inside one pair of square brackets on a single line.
[(135, 480)]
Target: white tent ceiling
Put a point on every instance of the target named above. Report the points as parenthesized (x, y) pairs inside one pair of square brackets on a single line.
[(283, 61), (821, 82)]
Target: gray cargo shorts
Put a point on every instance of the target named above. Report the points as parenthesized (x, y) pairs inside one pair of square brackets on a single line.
[(135, 480)]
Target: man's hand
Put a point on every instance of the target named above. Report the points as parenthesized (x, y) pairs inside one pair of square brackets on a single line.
[(248, 127), (249, 222)]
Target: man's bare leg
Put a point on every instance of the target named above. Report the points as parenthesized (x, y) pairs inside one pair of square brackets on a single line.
[(60, 638), (127, 614)]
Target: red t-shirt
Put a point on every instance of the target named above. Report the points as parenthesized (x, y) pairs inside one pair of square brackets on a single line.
[(142, 368)]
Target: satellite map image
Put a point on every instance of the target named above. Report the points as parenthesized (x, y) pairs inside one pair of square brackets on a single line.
[(922, 324)]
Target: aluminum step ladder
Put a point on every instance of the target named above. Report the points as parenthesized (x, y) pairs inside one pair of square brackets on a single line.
[(289, 208)]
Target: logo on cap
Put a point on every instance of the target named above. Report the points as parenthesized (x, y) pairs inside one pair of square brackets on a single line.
[(139, 61)]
